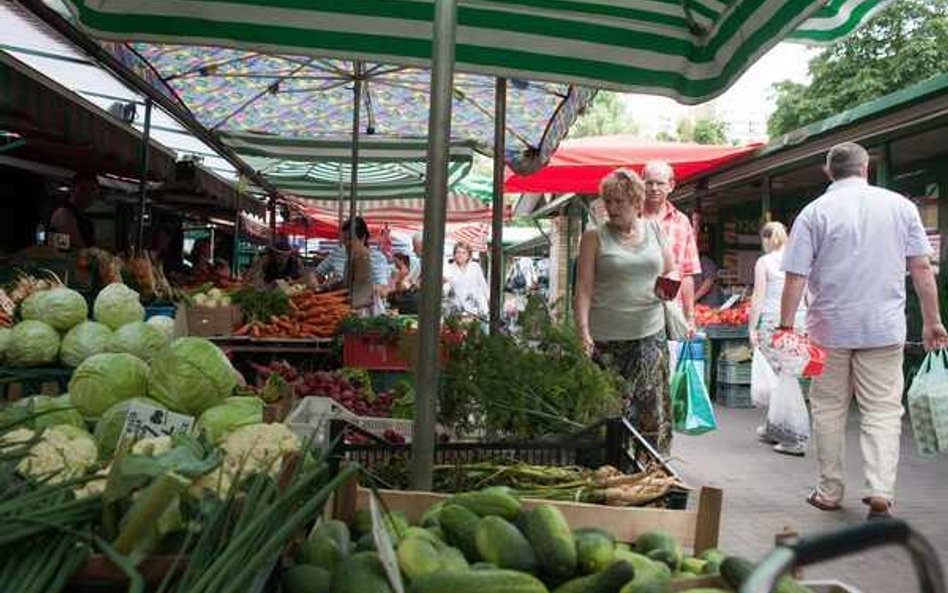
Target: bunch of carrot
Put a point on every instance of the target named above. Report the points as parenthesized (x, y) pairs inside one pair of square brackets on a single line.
[(312, 315)]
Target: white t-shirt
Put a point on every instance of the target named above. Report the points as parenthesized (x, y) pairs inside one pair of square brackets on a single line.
[(853, 243), (467, 288), (772, 263)]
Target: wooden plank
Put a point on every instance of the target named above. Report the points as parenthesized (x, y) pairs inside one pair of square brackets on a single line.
[(625, 523), (708, 525)]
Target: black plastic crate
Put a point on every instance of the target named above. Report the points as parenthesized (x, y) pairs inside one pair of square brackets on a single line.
[(613, 441)]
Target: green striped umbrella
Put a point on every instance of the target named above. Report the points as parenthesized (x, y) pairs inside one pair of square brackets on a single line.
[(320, 168), (691, 50)]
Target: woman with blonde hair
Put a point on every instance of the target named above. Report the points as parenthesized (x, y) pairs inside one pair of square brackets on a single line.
[(765, 314), (619, 317)]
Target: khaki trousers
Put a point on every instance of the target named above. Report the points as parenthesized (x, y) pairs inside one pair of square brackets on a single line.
[(874, 376)]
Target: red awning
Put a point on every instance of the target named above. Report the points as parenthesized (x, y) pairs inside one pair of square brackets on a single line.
[(578, 165)]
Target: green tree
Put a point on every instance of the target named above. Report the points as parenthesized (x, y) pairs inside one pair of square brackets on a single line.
[(686, 130), (605, 115), (710, 131), (904, 44)]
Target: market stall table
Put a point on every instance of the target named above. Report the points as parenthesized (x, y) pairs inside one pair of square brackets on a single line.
[(275, 346)]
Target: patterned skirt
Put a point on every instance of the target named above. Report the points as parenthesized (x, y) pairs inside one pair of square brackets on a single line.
[(643, 365)]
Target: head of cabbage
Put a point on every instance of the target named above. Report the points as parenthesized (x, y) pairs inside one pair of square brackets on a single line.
[(117, 305), (84, 340), (164, 323), (190, 376), (105, 379), (138, 339), (215, 423), (32, 343), (108, 430), (4, 342), (43, 411), (61, 308)]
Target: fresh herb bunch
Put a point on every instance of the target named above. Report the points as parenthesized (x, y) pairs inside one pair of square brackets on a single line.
[(496, 384), (387, 326), (260, 305)]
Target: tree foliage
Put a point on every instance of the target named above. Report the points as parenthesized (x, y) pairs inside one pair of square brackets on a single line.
[(710, 131), (904, 44), (605, 115)]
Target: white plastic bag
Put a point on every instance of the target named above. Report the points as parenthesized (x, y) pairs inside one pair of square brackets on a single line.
[(763, 380), (788, 420), (928, 405)]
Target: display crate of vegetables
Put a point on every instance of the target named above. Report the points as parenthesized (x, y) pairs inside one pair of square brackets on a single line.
[(305, 315)]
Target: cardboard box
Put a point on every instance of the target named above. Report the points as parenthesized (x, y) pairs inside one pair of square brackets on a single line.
[(217, 321)]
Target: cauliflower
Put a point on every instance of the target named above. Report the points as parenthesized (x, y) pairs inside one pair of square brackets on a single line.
[(95, 487), (62, 453), (258, 447), (217, 482), (152, 446)]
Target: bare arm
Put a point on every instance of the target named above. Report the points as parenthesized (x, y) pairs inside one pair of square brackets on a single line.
[(793, 288), (688, 298), (704, 288), (757, 299), (923, 279), (585, 277)]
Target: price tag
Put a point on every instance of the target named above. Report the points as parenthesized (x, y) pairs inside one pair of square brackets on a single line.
[(730, 302), (144, 421), (383, 543)]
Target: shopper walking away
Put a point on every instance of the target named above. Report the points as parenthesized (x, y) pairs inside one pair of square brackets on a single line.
[(465, 284), (851, 247), (764, 318), (659, 178), (619, 318)]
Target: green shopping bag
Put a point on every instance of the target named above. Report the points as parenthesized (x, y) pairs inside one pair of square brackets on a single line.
[(691, 406), (928, 405)]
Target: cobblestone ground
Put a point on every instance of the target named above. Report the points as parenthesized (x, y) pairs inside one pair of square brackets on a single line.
[(765, 491)]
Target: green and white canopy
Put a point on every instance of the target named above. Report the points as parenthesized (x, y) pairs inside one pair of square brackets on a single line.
[(691, 50), (320, 168)]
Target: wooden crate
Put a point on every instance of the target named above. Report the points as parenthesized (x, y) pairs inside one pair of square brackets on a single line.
[(697, 530)]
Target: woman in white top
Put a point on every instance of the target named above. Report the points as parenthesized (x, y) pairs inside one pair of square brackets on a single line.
[(465, 284), (765, 309)]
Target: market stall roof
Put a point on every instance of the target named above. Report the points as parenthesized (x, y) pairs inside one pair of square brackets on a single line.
[(578, 165), (201, 191), (55, 126), (691, 50), (320, 168)]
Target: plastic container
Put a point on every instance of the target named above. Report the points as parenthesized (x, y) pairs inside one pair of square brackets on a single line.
[(156, 310), (734, 396), (734, 373), (312, 416)]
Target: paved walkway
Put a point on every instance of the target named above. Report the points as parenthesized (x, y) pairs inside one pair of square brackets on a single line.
[(764, 491)]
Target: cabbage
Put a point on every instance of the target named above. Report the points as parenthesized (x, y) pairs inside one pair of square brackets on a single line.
[(105, 379), (235, 412), (4, 341), (32, 343), (42, 411), (108, 430), (138, 339), (61, 308), (84, 340), (164, 323), (117, 305), (191, 376)]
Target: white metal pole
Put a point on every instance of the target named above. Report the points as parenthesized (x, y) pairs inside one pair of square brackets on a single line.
[(429, 311)]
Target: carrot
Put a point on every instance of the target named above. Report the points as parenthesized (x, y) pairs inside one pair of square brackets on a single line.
[(255, 331), (243, 330)]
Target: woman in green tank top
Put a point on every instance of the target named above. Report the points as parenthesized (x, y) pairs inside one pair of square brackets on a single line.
[(619, 317)]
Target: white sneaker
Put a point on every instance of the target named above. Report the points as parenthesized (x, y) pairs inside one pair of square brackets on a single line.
[(795, 450), (763, 435)]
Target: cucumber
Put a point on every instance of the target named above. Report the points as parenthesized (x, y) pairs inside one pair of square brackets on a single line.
[(657, 540), (694, 565), (610, 580), (365, 543), (484, 566), (326, 546), (713, 555), (595, 550), (361, 573), (425, 534), (453, 560), (650, 577), (552, 540), (417, 557), (304, 578), (500, 543), (486, 503), (735, 570), (362, 522), (667, 557), (437, 532), (705, 590), (460, 527), (478, 581), (431, 517)]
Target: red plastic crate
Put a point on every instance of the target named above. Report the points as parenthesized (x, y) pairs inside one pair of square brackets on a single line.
[(377, 353)]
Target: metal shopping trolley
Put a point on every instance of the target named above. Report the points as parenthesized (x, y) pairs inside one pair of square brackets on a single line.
[(825, 547)]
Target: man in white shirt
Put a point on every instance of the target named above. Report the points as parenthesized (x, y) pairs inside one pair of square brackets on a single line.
[(850, 247)]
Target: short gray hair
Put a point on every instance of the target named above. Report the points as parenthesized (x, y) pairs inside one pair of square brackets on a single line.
[(846, 160), (659, 168), (419, 236)]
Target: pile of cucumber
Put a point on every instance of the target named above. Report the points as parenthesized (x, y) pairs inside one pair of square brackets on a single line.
[(485, 542)]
